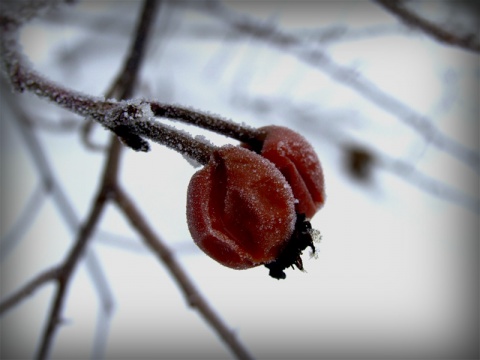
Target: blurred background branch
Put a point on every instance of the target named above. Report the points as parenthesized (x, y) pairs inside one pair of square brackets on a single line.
[(469, 41)]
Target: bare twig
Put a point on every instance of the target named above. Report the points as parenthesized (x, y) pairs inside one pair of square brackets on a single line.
[(85, 134), (69, 265), (129, 73), (133, 215), (116, 116), (108, 183), (126, 81), (210, 122), (198, 150), (467, 42), (51, 185), (29, 288), (191, 294), (125, 118), (89, 106), (107, 304)]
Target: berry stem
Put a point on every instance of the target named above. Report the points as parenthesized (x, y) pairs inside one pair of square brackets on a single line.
[(253, 137), (174, 139)]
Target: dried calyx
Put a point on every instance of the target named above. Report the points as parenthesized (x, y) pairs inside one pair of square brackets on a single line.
[(303, 236)]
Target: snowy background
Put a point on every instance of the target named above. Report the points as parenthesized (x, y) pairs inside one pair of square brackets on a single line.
[(397, 270)]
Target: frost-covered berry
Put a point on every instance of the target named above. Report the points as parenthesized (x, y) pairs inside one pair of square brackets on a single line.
[(296, 159), (240, 208)]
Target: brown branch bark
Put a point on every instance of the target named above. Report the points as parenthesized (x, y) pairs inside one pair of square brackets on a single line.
[(109, 180), (190, 292), (50, 186), (69, 265), (29, 288), (124, 118), (206, 121), (127, 79), (123, 87)]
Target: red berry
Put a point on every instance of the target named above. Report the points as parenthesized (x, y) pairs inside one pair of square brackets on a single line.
[(240, 209), (296, 159)]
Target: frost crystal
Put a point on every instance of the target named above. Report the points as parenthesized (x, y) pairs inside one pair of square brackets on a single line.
[(202, 139), (146, 110), (191, 161)]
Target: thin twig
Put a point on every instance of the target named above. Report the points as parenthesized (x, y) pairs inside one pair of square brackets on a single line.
[(129, 73), (198, 150), (85, 136), (109, 180), (24, 78), (106, 300), (467, 42), (210, 122), (202, 154), (125, 118), (190, 292), (68, 267), (29, 288), (126, 82), (51, 185)]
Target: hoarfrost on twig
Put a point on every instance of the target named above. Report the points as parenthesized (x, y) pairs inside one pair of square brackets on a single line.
[(129, 119)]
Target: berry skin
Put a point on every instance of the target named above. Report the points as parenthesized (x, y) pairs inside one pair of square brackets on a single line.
[(296, 159), (240, 208)]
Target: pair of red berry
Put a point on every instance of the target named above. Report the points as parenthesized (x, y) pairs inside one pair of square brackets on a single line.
[(248, 207)]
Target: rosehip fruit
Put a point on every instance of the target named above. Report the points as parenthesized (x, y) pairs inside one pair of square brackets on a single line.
[(296, 159), (240, 208)]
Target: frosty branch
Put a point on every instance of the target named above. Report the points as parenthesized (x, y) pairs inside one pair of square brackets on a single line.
[(109, 178), (49, 186), (192, 295), (129, 119)]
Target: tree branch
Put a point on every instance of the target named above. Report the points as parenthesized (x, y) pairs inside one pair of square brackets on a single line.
[(51, 186), (109, 180), (65, 275), (191, 294), (127, 79), (29, 288), (109, 188), (210, 122), (126, 118), (467, 42)]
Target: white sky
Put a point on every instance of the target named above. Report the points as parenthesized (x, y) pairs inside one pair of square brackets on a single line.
[(397, 269)]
